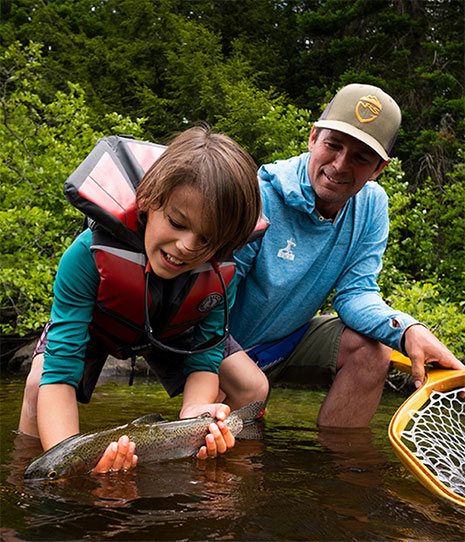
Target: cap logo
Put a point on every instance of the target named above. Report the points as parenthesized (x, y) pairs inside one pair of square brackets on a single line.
[(368, 108)]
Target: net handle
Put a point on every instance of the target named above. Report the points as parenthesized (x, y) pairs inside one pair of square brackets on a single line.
[(435, 380)]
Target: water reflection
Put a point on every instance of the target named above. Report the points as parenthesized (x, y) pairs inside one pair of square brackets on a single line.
[(295, 483)]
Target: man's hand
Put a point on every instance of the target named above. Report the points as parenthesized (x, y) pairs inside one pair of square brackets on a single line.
[(423, 347), (220, 438), (118, 456)]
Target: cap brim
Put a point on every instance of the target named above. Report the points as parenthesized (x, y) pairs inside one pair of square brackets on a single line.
[(354, 132)]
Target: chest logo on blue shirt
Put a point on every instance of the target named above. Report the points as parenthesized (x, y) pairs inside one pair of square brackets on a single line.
[(286, 252)]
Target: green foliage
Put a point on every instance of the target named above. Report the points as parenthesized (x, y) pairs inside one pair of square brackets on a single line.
[(175, 62), (427, 229), (445, 319), (42, 143), (260, 71), (263, 122), (424, 264)]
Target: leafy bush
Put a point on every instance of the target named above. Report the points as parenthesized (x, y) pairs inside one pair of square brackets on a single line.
[(445, 319), (427, 229), (42, 143), (424, 264)]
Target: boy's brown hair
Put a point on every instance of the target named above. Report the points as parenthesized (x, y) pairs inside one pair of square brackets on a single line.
[(224, 174)]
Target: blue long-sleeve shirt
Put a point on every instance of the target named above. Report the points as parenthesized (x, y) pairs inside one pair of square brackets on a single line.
[(75, 293), (285, 277)]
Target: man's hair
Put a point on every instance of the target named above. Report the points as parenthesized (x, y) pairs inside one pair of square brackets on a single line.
[(221, 171)]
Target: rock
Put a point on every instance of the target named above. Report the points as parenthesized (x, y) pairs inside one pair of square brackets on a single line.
[(21, 363), (21, 360)]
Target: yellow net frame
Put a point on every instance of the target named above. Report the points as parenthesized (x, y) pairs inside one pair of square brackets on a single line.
[(436, 380)]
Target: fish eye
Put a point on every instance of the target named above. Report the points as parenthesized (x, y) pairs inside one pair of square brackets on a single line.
[(51, 475)]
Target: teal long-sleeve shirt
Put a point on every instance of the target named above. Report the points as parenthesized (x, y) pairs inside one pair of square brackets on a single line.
[(75, 293)]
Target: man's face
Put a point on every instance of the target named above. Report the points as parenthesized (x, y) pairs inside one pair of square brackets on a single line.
[(339, 167)]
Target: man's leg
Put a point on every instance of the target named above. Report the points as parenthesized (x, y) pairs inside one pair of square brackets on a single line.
[(28, 419), (354, 365), (361, 371)]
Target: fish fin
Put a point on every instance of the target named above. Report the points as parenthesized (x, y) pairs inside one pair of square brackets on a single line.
[(251, 412), (150, 418), (251, 431)]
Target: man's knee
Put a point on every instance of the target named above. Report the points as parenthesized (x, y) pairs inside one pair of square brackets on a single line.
[(362, 351), (257, 389)]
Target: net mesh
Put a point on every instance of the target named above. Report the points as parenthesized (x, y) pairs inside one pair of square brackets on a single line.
[(436, 436)]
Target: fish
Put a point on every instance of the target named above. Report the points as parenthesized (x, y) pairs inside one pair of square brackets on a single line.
[(156, 440)]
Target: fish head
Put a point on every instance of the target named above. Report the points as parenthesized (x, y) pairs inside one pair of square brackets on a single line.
[(38, 471), (55, 463)]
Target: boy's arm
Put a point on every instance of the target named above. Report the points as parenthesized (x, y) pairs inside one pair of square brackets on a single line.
[(57, 413), (58, 419), (200, 393)]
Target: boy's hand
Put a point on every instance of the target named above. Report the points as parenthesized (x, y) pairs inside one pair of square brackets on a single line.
[(118, 456), (220, 438), (218, 441)]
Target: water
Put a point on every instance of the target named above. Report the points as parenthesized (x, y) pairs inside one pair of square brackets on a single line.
[(293, 484)]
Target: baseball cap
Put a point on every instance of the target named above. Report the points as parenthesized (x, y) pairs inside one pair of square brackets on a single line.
[(366, 113)]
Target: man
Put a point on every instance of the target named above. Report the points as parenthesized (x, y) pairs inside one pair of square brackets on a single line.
[(328, 232)]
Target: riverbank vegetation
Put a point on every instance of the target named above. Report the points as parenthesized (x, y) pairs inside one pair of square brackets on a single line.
[(260, 70)]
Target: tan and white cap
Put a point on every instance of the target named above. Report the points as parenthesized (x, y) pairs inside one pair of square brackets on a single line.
[(366, 113)]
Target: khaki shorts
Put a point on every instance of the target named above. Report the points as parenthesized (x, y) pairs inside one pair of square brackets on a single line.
[(313, 360), (309, 360)]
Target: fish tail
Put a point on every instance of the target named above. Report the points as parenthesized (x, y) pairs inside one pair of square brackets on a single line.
[(251, 412)]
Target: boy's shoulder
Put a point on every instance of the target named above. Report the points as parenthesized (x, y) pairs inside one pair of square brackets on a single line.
[(78, 256), (82, 242)]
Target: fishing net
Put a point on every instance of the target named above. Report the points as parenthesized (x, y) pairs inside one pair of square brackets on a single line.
[(436, 436)]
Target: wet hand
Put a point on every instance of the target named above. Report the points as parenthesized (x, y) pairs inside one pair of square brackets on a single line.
[(218, 441), (220, 438), (118, 456), (423, 347)]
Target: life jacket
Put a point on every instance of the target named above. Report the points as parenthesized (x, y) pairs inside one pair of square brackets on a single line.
[(104, 188)]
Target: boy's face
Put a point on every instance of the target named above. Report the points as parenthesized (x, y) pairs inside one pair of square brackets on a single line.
[(339, 167), (175, 232)]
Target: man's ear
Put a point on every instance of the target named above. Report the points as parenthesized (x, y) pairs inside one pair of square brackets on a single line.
[(379, 169), (311, 139)]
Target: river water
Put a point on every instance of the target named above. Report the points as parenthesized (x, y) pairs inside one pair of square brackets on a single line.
[(293, 483)]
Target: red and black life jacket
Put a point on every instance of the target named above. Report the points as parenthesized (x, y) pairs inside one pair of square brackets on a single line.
[(104, 188)]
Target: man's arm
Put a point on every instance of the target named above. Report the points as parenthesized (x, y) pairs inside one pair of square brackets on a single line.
[(245, 258), (358, 301)]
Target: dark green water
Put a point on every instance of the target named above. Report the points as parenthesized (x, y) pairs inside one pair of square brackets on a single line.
[(294, 484)]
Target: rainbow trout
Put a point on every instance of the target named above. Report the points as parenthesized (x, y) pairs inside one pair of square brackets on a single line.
[(155, 439)]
